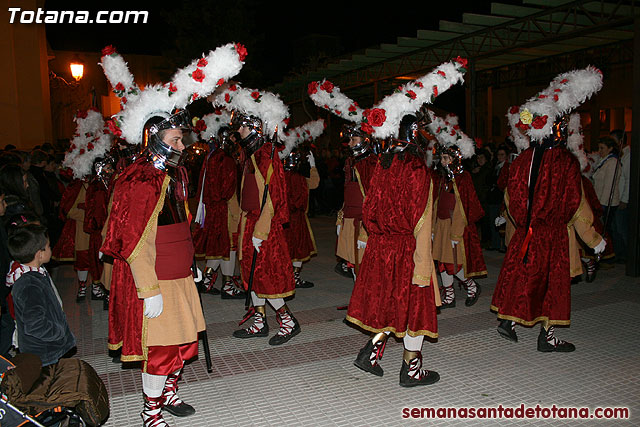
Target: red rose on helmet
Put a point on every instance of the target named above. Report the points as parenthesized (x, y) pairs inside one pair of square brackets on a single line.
[(255, 95), (286, 121), (202, 62), (109, 50), (352, 108), (442, 73), (172, 87), (119, 87), (220, 82), (462, 61), (123, 99), (555, 98), (242, 51), (375, 116), (522, 125), (312, 88), (200, 126), (514, 110), (539, 122), (90, 146), (233, 87), (217, 112), (227, 97), (198, 75), (327, 86), (195, 96), (81, 114), (81, 151), (113, 127), (435, 90), (411, 94), (419, 84), (366, 128)]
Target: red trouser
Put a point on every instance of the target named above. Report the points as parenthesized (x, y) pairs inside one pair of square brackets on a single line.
[(166, 359)]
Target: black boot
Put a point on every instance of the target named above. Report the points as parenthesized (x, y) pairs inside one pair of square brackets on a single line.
[(289, 326), (473, 292), (299, 282), (507, 329), (547, 342), (371, 353), (259, 327), (172, 403), (229, 290), (412, 374)]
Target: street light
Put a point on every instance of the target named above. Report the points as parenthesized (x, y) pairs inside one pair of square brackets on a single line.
[(77, 70)]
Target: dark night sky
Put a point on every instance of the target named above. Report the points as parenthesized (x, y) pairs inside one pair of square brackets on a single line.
[(268, 29)]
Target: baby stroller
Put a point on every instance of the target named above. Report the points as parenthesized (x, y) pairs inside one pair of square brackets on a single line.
[(67, 393)]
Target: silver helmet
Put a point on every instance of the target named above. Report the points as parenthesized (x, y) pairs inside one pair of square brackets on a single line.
[(161, 154)]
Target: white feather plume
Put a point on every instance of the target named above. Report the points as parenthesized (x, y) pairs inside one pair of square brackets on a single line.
[(520, 140), (266, 105), (307, 132), (565, 93), (575, 140), (214, 122), (449, 134), (89, 142), (197, 80), (328, 96)]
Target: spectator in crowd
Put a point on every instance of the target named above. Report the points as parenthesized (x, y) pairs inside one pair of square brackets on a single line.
[(6, 321), (605, 181), (496, 195), (33, 189), (39, 161), (41, 324), (13, 181), (481, 176), (621, 232)]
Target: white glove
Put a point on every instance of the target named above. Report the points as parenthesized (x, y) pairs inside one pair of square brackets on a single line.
[(311, 160), (600, 247), (338, 230), (500, 220), (361, 244), (454, 243), (433, 236), (198, 276), (100, 255), (153, 306), (256, 243)]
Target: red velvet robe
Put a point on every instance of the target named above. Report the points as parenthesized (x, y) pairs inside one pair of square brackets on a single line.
[(598, 212), (539, 290), (65, 249), (95, 216), (384, 297), (140, 185), (365, 169), (299, 235), (211, 239), (473, 211), (273, 277)]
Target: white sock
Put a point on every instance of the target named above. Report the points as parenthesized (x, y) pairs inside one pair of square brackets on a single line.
[(460, 274), (213, 263), (229, 266), (276, 303), (297, 264), (153, 385), (257, 301), (413, 343), (447, 279), (82, 275)]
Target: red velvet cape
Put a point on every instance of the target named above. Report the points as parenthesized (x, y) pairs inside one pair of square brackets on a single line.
[(298, 234), (539, 289), (384, 297), (273, 277), (212, 240), (136, 198), (473, 211), (66, 246)]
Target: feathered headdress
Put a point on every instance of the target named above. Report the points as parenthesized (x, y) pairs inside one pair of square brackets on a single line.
[(208, 126), (448, 133), (575, 141), (90, 141), (307, 132), (565, 93), (383, 120), (266, 105), (197, 80), (520, 140)]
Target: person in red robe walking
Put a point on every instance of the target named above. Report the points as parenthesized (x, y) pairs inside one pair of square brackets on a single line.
[(218, 210), (456, 245), (544, 198)]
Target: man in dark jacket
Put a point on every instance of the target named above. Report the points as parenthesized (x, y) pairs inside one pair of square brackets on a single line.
[(41, 323)]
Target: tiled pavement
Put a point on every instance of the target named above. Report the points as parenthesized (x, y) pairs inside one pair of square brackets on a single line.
[(312, 381)]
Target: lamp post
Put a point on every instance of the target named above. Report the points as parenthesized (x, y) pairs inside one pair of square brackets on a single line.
[(77, 70)]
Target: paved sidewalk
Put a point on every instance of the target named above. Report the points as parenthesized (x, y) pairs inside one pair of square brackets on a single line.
[(312, 381)]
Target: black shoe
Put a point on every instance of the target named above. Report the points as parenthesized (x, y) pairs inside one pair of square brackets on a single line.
[(342, 269), (230, 292), (363, 360), (82, 293), (406, 381), (246, 333), (210, 290), (505, 330), (545, 347), (472, 300), (304, 284), (278, 339), (181, 410), (449, 305), (591, 276)]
